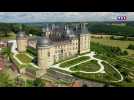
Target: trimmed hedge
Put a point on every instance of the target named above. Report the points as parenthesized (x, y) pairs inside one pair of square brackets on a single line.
[(32, 51)]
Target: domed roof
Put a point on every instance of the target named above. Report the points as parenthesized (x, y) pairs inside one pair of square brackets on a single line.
[(43, 29), (70, 33), (21, 34), (72, 36), (43, 41)]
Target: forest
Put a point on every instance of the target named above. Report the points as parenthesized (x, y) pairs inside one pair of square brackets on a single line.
[(105, 28)]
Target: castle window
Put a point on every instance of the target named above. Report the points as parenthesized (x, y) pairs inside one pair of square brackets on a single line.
[(48, 54), (62, 51)]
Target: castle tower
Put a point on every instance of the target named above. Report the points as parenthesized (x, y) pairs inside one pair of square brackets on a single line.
[(46, 31), (22, 41), (84, 39), (43, 54)]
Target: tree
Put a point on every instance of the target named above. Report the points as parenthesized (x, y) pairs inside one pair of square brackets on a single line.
[(15, 27), (5, 81), (125, 52), (29, 83), (38, 83), (7, 52), (112, 37), (106, 85), (128, 79), (84, 85), (131, 47), (19, 81), (5, 28)]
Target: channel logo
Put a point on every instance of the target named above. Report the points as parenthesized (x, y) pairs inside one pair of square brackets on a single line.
[(121, 18)]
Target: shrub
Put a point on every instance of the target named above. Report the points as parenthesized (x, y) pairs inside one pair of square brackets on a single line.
[(125, 52), (131, 47), (107, 50), (38, 83)]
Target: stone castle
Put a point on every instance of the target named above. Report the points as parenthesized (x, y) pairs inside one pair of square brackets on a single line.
[(56, 43)]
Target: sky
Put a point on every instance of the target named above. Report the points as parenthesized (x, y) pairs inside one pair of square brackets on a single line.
[(12, 17)]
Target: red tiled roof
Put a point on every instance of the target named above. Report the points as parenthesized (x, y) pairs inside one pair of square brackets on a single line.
[(76, 84)]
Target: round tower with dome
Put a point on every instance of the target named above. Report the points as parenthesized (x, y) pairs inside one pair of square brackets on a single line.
[(21, 40), (43, 46)]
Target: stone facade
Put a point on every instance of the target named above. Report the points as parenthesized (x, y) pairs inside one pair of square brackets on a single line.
[(84, 43)]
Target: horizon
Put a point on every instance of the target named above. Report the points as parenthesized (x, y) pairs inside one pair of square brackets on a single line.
[(38, 17), (61, 22)]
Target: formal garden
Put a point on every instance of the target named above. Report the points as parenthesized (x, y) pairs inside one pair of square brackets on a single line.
[(90, 68), (117, 63)]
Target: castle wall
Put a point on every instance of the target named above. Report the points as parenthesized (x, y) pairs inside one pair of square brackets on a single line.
[(64, 51), (84, 43), (51, 52), (74, 46)]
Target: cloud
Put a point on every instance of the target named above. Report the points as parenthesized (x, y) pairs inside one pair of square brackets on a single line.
[(61, 16)]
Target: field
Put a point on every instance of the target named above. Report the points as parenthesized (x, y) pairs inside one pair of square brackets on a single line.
[(117, 43), (11, 36)]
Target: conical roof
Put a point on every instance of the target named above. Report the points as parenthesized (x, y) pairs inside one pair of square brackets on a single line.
[(43, 41), (21, 34)]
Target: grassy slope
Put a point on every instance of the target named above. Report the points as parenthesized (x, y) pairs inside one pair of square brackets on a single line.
[(11, 36)]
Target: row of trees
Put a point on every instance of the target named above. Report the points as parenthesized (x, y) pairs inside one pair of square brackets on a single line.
[(6, 28), (5, 81), (29, 83), (112, 30)]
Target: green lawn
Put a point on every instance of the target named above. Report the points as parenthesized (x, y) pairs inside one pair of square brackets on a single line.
[(74, 61), (24, 58), (88, 66), (116, 43)]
